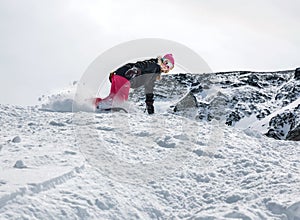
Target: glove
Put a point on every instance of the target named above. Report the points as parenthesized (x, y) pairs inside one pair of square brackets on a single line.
[(133, 72), (149, 103), (111, 75)]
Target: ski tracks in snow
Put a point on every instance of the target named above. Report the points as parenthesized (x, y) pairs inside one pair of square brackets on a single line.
[(38, 154), (135, 166)]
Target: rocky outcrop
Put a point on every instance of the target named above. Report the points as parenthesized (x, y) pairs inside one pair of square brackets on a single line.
[(281, 124), (297, 74), (294, 135), (234, 97)]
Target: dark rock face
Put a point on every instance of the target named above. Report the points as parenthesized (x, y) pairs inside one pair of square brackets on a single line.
[(297, 74), (294, 135), (234, 97), (280, 124), (288, 93)]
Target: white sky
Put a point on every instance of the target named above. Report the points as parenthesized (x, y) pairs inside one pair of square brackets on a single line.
[(47, 44)]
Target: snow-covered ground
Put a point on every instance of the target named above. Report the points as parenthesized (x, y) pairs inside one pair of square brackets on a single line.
[(56, 165)]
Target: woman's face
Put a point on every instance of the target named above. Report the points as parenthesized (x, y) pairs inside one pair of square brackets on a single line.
[(164, 69), (166, 65)]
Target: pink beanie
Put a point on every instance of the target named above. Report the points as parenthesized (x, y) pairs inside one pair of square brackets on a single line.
[(169, 57)]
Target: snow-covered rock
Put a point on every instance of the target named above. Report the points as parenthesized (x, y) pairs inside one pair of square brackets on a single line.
[(20, 164), (294, 134), (240, 99), (297, 74), (16, 139)]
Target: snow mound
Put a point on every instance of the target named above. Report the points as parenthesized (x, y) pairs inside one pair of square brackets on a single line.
[(59, 101), (198, 169)]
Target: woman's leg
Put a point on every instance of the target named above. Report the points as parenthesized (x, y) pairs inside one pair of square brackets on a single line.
[(120, 88), (119, 91)]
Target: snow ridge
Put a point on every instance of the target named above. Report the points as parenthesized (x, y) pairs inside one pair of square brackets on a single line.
[(34, 188)]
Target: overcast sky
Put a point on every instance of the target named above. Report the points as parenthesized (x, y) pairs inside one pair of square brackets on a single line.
[(47, 44)]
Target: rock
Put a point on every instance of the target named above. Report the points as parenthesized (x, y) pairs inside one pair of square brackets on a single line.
[(233, 199), (297, 74), (20, 165), (188, 101), (294, 135), (16, 139), (59, 124), (235, 97), (272, 134), (253, 80), (232, 118), (281, 124)]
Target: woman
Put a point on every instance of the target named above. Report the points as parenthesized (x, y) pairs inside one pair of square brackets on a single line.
[(133, 75)]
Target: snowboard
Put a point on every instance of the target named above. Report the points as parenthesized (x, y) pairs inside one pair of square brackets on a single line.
[(112, 109)]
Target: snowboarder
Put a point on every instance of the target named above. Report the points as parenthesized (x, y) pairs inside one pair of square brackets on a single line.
[(133, 75)]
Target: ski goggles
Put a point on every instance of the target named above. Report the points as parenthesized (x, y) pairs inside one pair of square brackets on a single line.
[(167, 63)]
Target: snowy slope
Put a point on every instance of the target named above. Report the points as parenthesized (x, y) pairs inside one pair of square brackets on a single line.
[(210, 162), (135, 166)]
